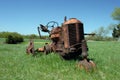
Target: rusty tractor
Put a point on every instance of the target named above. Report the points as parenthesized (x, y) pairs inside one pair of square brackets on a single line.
[(67, 40)]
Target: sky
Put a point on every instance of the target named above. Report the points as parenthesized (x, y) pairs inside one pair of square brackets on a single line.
[(24, 16)]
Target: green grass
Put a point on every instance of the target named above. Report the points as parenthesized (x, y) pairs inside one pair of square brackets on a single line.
[(15, 64)]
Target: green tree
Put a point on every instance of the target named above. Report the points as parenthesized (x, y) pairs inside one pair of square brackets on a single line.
[(116, 31), (33, 36), (102, 32), (14, 38), (116, 14)]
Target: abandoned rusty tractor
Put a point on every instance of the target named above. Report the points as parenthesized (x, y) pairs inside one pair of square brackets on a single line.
[(67, 40)]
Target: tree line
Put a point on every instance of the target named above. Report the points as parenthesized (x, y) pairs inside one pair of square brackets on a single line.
[(103, 33), (30, 36), (14, 37)]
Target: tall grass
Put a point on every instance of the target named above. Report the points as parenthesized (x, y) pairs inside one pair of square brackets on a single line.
[(15, 64)]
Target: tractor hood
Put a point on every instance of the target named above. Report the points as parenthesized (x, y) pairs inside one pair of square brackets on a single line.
[(71, 21)]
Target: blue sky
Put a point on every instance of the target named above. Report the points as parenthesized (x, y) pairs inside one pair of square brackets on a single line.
[(24, 16)]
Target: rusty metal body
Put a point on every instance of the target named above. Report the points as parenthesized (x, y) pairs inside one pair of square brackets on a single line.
[(30, 48), (67, 40), (73, 34)]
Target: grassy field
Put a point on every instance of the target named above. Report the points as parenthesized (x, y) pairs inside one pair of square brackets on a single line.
[(16, 65)]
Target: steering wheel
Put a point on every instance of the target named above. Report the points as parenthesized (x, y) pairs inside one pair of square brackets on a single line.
[(50, 25)]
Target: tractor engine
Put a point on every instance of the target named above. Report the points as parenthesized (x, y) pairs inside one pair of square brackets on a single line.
[(68, 40), (73, 37)]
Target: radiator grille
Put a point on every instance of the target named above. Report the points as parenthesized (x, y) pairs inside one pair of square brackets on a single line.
[(81, 32), (72, 34)]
